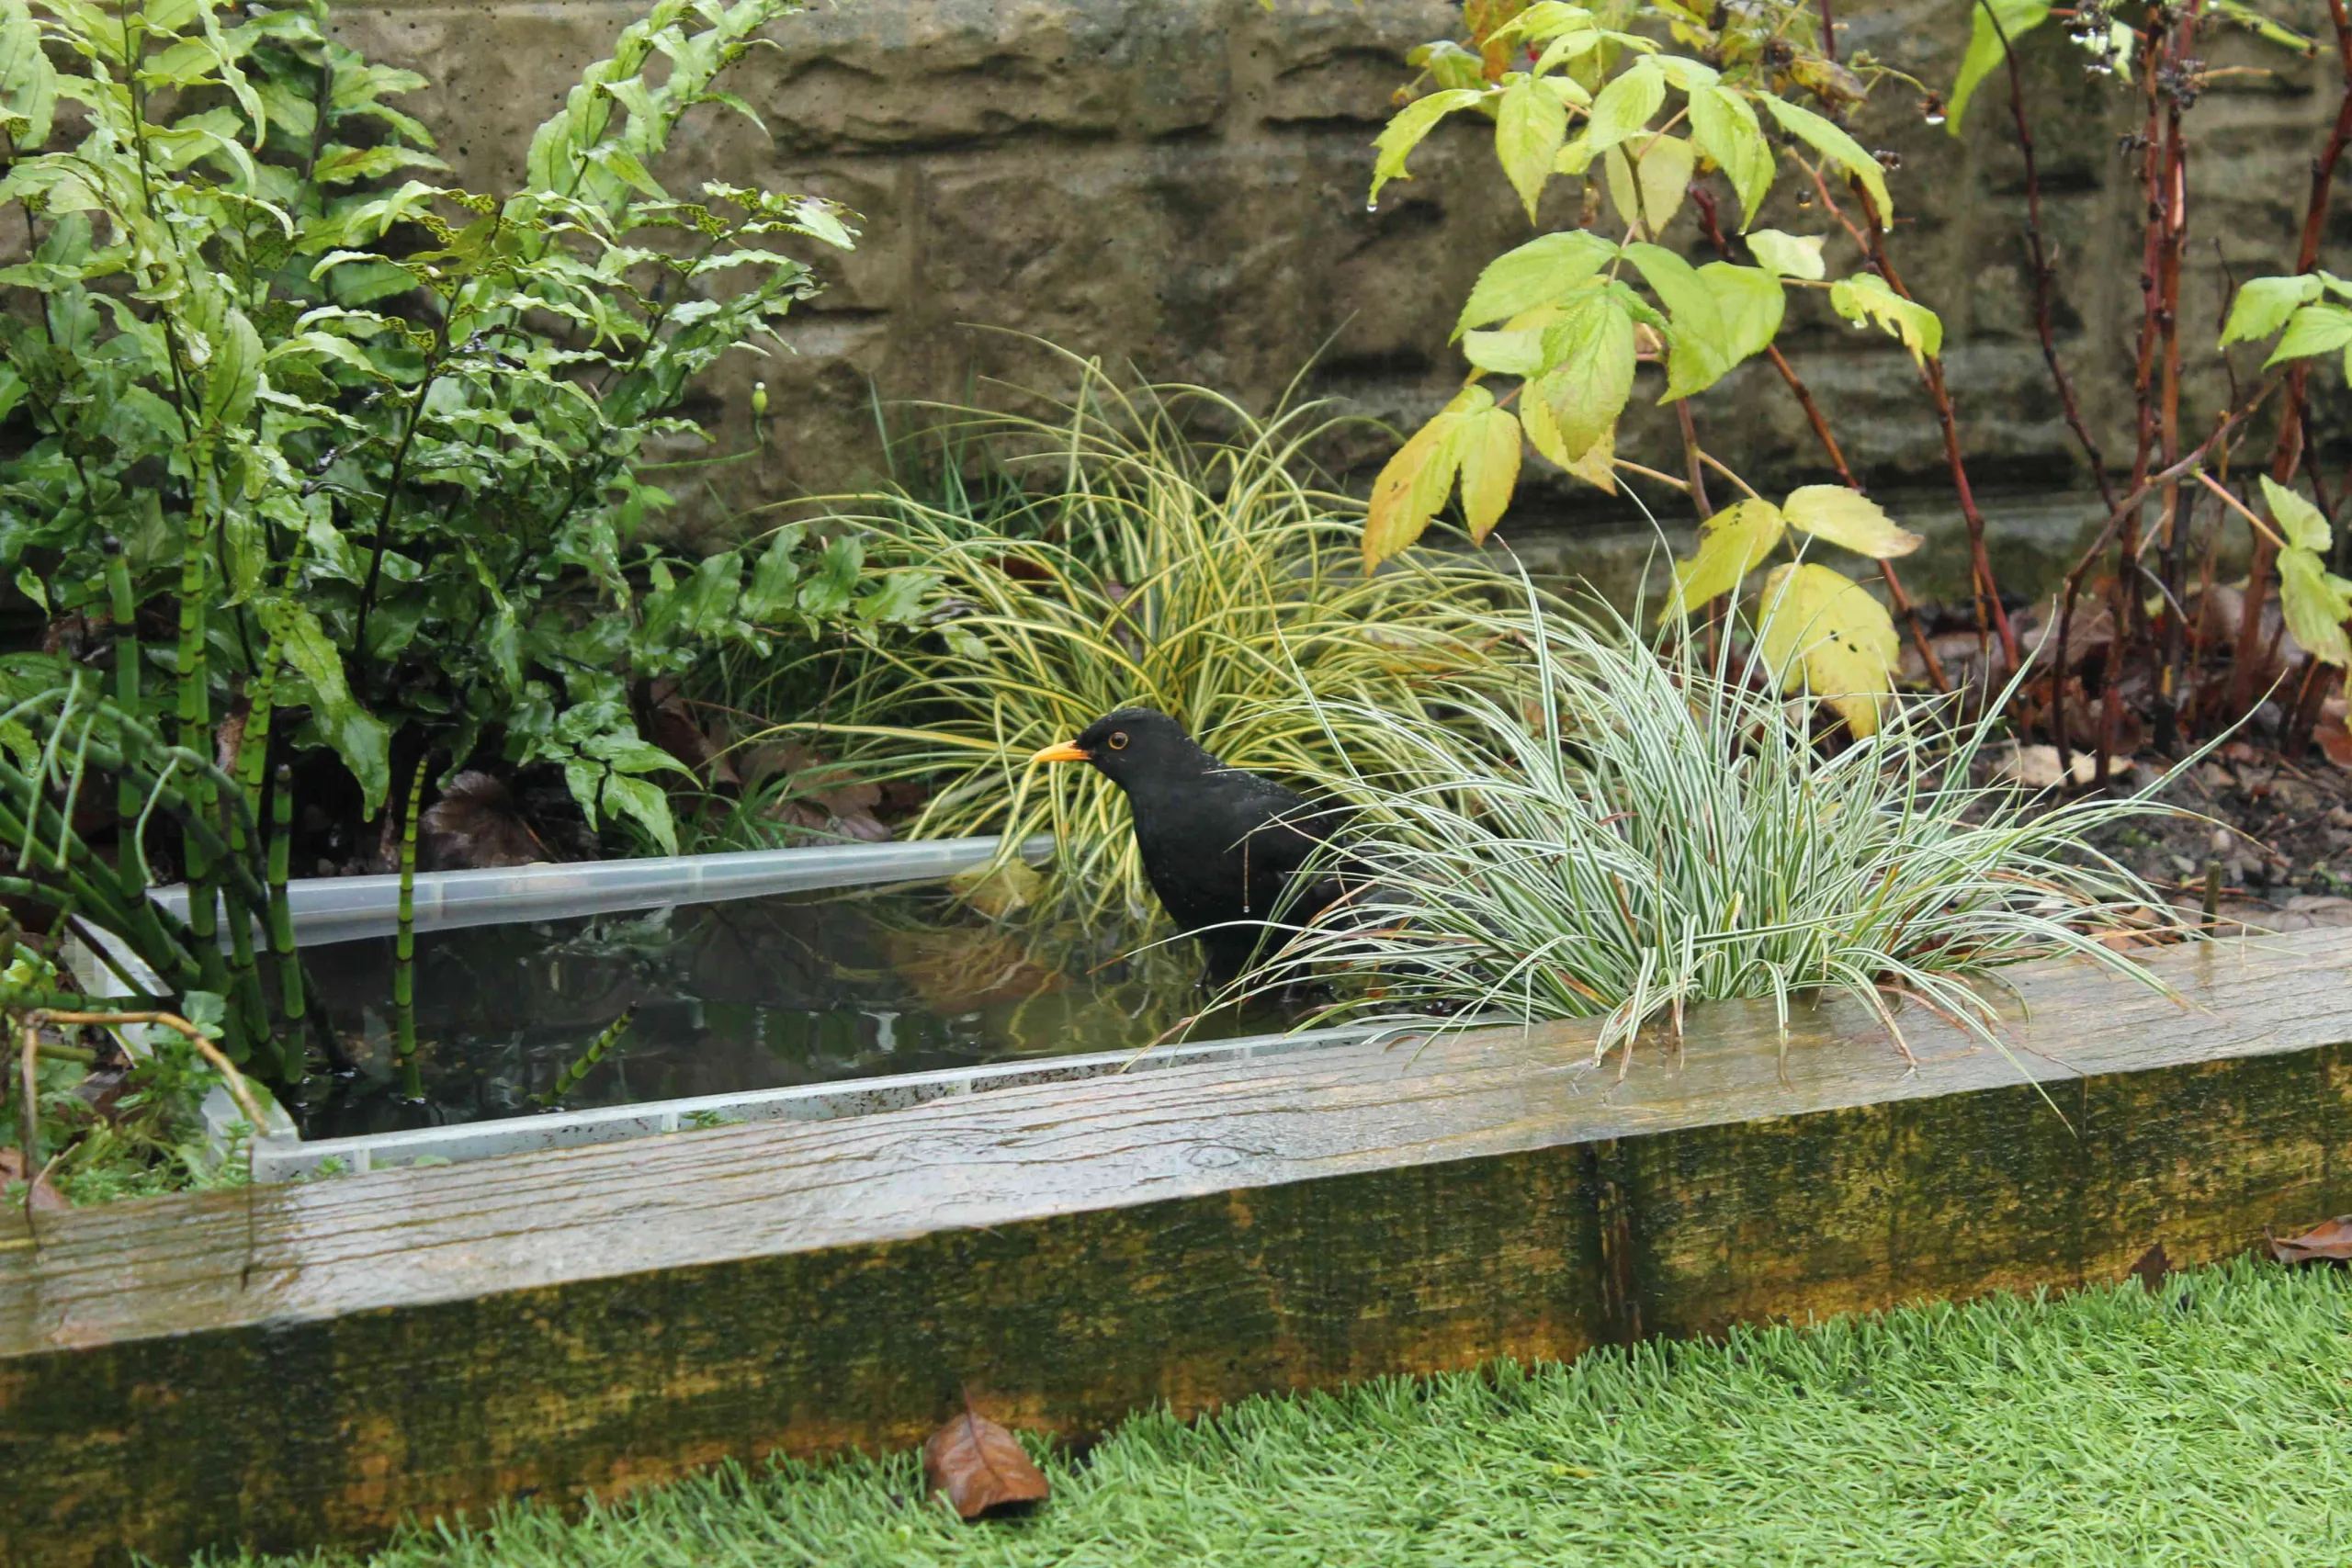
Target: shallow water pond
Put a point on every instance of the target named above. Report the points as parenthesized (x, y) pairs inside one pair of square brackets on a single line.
[(758, 994)]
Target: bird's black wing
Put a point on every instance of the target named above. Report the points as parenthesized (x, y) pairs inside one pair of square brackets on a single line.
[(1289, 832)]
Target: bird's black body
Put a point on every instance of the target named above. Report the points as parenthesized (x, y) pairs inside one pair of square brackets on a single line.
[(1221, 845)]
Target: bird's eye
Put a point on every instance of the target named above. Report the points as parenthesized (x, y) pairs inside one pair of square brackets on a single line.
[(1119, 740)]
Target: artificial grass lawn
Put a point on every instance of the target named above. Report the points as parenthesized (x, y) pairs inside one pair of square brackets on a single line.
[(2209, 1423)]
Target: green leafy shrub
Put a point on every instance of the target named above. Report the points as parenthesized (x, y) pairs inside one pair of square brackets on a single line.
[(377, 449)]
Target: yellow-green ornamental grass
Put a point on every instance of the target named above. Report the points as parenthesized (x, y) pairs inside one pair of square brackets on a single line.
[(1212, 579)]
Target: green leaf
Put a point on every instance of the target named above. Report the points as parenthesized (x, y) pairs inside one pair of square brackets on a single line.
[(1517, 351), (357, 737), (2313, 329), (2315, 605), (1725, 129), (1703, 342), (2255, 22), (1866, 298), (2015, 19), (1849, 519), (2302, 525), (819, 219), (1592, 344), (1529, 126), (1820, 630), (1664, 174), (1406, 131), (1537, 272), (1749, 302), (2263, 305), (1489, 444), (773, 575), (1825, 138), (1731, 544), (1624, 106), (27, 81), (642, 802), (232, 359), (1788, 255)]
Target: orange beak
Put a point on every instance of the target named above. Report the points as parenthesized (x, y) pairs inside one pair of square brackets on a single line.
[(1067, 752)]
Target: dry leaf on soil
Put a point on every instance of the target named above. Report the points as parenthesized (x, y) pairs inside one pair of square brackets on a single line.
[(2152, 1267), (2329, 1241), (978, 1465), (45, 1196)]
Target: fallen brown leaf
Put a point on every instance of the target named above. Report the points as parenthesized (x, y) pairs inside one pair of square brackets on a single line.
[(45, 1195), (2336, 741), (978, 1466), (2329, 1241), (475, 823), (2152, 1267)]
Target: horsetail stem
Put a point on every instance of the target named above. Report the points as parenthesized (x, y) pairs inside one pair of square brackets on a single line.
[(281, 915), (196, 735), (405, 946), (583, 1064), (125, 613)]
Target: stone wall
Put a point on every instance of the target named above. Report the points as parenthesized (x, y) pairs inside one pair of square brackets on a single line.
[(1179, 184)]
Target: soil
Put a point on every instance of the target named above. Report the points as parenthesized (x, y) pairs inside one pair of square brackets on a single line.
[(2280, 832)]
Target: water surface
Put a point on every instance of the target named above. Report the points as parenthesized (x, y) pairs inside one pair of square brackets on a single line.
[(757, 994)]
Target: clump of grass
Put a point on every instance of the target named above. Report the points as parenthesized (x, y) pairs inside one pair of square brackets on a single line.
[(1212, 577), (1637, 830)]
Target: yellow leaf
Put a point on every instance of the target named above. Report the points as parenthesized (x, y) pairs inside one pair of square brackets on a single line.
[(1733, 541), (1866, 298), (1489, 447), (1415, 482), (1788, 256), (1822, 631), (2304, 524), (2317, 604), (1529, 126), (1598, 467), (1849, 519), (1624, 191), (1395, 518), (1664, 176), (1403, 133)]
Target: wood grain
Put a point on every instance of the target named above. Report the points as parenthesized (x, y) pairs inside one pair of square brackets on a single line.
[(287, 1366)]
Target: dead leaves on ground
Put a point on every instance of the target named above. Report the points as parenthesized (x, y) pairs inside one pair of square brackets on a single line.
[(45, 1195), (2329, 1241), (980, 1468)]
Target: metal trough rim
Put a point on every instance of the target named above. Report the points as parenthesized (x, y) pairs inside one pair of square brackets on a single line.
[(347, 908)]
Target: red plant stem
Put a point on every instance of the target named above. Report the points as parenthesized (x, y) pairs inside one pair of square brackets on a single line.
[(2129, 507), (1828, 33), (2045, 277), (2287, 456), (2122, 603), (2044, 290), (1703, 200), (1932, 370), (1697, 472), (2174, 248)]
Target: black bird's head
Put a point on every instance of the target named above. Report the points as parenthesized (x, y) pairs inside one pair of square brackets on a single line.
[(1132, 746)]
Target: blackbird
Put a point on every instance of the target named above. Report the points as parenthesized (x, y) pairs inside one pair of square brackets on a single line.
[(1221, 845)]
